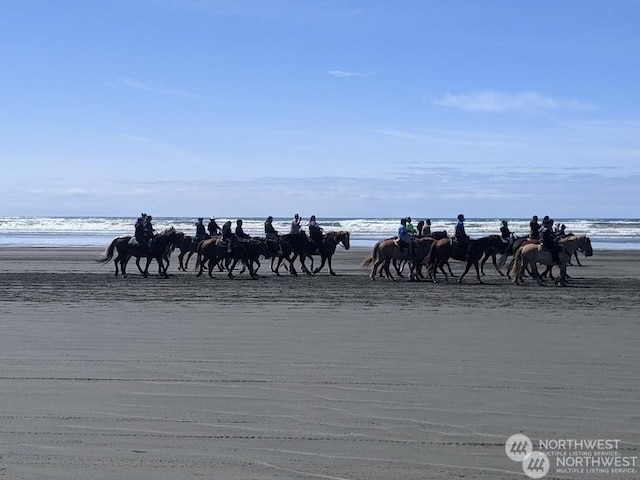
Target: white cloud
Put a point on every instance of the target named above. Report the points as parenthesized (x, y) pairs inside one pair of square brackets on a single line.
[(341, 74), (501, 102)]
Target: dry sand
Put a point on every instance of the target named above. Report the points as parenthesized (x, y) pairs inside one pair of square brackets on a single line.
[(309, 377)]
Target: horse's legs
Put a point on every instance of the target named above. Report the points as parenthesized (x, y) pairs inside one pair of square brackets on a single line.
[(303, 266), (577, 259), (399, 266), (441, 267), (292, 267), (331, 272), (233, 265), (322, 262), (448, 267), (186, 263), (146, 267), (138, 264), (469, 263), (181, 267), (375, 269), (387, 262), (484, 260)]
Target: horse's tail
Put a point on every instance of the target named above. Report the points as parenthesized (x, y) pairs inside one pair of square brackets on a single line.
[(372, 258), (198, 252), (108, 252), (431, 260), (516, 268)]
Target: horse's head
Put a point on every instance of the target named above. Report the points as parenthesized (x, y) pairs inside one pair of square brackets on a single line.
[(585, 246), (342, 237), (345, 238)]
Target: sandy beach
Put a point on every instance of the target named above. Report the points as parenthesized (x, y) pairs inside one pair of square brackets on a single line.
[(308, 377)]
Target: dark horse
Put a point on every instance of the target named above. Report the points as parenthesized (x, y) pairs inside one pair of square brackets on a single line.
[(188, 247), (303, 247), (246, 251), (160, 249), (443, 249)]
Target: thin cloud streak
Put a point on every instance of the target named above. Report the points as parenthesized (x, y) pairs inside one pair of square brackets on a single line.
[(504, 102), (342, 74), (143, 87)]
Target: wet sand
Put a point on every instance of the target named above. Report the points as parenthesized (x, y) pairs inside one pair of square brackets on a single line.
[(308, 377)]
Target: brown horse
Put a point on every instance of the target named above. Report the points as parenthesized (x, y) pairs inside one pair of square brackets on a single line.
[(530, 255), (387, 250), (442, 250)]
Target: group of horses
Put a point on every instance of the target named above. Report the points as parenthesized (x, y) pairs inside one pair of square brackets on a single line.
[(212, 252), (431, 253), (434, 253)]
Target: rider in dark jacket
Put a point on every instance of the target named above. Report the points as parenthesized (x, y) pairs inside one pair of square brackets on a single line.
[(213, 228), (201, 233), (148, 230), (549, 241), (534, 228), (239, 231), (139, 233)]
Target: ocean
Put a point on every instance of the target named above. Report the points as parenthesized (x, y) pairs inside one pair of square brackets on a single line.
[(605, 233)]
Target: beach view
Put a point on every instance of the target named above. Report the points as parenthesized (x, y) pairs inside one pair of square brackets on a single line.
[(346, 240)]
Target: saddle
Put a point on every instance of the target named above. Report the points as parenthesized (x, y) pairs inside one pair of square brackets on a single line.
[(133, 242)]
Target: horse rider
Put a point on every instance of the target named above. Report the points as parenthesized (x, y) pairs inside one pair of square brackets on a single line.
[(295, 224), (139, 233), (562, 233), (506, 235), (239, 231), (201, 232), (410, 228), (271, 235), (213, 228), (534, 228), (419, 228), (315, 232), (227, 235), (548, 240), (404, 236), (461, 236), (148, 230), (426, 230)]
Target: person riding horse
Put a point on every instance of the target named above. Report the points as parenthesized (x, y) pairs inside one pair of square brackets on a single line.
[(213, 228), (464, 240), (549, 242), (410, 228), (295, 224), (404, 236), (315, 232), (534, 228), (148, 231), (507, 235), (426, 229), (227, 235), (201, 232), (139, 234), (272, 237)]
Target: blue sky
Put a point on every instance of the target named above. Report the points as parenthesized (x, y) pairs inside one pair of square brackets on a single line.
[(334, 107)]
